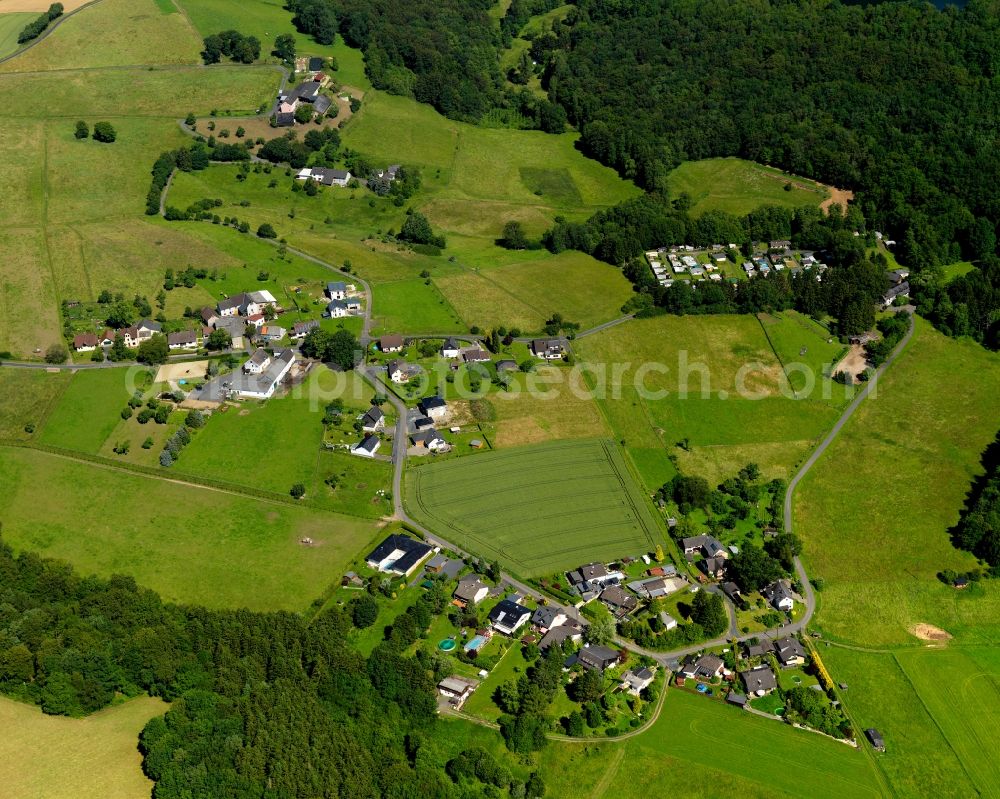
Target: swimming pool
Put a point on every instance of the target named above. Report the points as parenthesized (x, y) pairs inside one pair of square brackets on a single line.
[(475, 642), (446, 645)]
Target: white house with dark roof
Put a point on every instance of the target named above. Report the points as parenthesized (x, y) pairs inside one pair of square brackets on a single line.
[(336, 290), (335, 309), (367, 447), (779, 595), (548, 616), (471, 590), (759, 680), (635, 682), (301, 329), (508, 616), (450, 348), (398, 554), (790, 651), (373, 420), (548, 349), (183, 340), (433, 407)]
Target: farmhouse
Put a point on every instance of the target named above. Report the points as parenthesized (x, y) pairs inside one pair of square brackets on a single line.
[(507, 616), (635, 682), (790, 652), (390, 344), (336, 290), (184, 340), (705, 667), (263, 385), (548, 349), (269, 333), (456, 690), (471, 590), (85, 342), (367, 447), (596, 658), (450, 348), (257, 362), (547, 617), (373, 420), (247, 304), (326, 177), (302, 329), (779, 595), (433, 407), (398, 554), (759, 680), (234, 325), (570, 631)]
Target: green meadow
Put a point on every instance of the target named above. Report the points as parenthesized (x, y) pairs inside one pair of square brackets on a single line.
[(537, 509), (27, 397), (89, 409), (130, 32), (189, 544), (54, 757), (11, 24), (738, 186)]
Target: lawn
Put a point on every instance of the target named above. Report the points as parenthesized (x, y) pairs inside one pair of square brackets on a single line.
[(413, 306), (90, 408), (54, 757), (29, 313), (277, 443), (129, 31), (538, 509), (951, 271), (10, 26), (187, 543), (27, 396), (738, 187), (902, 466), (803, 346)]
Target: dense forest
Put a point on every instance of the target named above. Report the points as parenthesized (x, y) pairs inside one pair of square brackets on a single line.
[(263, 704)]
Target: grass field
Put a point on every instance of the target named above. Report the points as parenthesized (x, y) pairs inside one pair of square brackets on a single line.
[(265, 19), (277, 443), (412, 306), (737, 406), (11, 24), (28, 397), (803, 346), (902, 466), (738, 187), (537, 509), (189, 544), (89, 409), (129, 31), (53, 757)]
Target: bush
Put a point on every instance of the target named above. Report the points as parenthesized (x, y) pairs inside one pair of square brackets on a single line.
[(166, 459), (298, 491), (265, 231), (104, 132), (57, 353), (82, 130)]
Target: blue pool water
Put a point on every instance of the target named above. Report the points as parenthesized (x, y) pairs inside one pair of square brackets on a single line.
[(475, 643)]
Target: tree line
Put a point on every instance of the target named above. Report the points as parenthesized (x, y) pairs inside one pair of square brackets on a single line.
[(232, 44), (978, 528), (37, 26)]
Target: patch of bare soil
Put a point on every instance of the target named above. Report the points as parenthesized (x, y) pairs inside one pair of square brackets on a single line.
[(854, 363), (928, 632), (839, 197)]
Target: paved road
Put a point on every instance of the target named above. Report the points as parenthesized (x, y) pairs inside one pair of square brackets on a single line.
[(809, 596)]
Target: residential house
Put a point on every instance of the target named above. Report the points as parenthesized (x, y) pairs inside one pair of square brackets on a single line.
[(668, 570), (779, 595), (456, 690), (508, 615), (704, 667), (760, 649), (759, 680), (732, 590), (257, 362), (597, 658), (373, 420), (714, 568), (234, 325), (570, 631), (353, 304), (593, 575), (618, 601), (707, 545), (367, 447), (267, 334), (897, 276), (336, 290), (208, 316), (106, 339), (254, 385), (256, 320), (635, 682), (391, 343), (428, 439), (450, 348), (397, 371), (790, 651), (247, 304), (398, 554), (471, 590), (184, 340), (548, 616), (322, 175), (302, 329), (548, 349), (422, 423), (335, 309), (316, 64), (85, 342), (655, 588), (899, 290), (475, 355), (433, 407)]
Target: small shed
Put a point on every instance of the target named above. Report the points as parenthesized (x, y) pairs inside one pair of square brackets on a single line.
[(875, 738)]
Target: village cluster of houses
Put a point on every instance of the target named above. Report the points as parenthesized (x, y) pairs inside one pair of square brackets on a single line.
[(306, 92), (420, 424)]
